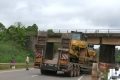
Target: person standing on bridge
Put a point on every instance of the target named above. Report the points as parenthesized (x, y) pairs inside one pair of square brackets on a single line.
[(27, 63)]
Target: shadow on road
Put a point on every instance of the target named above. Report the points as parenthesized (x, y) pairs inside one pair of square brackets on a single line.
[(61, 74)]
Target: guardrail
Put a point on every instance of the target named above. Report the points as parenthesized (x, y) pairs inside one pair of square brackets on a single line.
[(5, 66)]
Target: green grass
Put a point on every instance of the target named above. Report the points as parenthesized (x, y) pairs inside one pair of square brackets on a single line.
[(106, 76), (10, 49)]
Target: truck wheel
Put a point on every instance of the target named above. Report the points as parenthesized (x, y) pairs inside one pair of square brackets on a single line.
[(71, 73), (78, 72), (75, 73), (53, 72), (43, 72)]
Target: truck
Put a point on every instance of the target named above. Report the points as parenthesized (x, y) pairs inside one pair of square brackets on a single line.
[(72, 56)]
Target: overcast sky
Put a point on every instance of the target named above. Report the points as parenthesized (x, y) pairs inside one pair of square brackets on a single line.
[(65, 14)]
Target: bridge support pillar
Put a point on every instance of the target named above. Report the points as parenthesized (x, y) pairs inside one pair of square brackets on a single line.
[(107, 53), (106, 58)]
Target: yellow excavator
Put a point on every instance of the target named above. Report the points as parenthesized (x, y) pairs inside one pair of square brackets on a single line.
[(75, 47), (80, 50), (78, 46)]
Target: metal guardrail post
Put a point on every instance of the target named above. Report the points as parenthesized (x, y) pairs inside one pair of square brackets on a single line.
[(67, 31), (59, 30), (85, 30), (108, 30), (76, 30)]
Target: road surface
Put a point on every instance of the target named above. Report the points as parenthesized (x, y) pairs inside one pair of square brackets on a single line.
[(34, 74)]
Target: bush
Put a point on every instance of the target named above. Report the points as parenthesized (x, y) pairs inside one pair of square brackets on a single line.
[(9, 50)]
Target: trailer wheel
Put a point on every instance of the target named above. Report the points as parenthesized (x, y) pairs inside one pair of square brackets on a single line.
[(78, 72), (75, 73), (71, 73)]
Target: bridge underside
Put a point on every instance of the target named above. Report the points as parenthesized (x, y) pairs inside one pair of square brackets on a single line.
[(55, 40), (94, 40), (104, 40)]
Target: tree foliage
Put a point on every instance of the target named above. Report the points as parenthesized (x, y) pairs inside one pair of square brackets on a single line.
[(50, 31), (2, 27), (18, 33)]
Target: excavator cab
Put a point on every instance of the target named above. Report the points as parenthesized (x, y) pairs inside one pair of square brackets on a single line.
[(78, 36), (77, 44)]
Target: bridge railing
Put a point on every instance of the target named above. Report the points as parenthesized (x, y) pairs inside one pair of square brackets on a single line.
[(86, 30)]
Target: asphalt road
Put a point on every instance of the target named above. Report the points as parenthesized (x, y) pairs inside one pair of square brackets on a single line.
[(34, 74)]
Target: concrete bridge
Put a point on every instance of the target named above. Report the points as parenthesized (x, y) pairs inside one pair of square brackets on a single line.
[(110, 37), (103, 38), (96, 39)]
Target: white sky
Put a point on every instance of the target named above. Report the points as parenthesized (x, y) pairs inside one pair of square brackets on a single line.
[(62, 14), (97, 46)]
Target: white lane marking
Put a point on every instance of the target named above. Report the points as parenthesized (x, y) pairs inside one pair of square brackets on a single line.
[(34, 75), (80, 78)]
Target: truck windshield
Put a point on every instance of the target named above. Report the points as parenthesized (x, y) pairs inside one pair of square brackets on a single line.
[(76, 36)]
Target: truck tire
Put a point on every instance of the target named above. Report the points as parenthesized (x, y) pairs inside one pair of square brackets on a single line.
[(71, 73), (53, 72), (74, 72), (78, 72), (43, 72)]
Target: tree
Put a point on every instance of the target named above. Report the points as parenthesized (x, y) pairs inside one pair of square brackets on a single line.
[(50, 31), (16, 33), (2, 27), (2, 31), (11, 32), (32, 30), (18, 24)]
